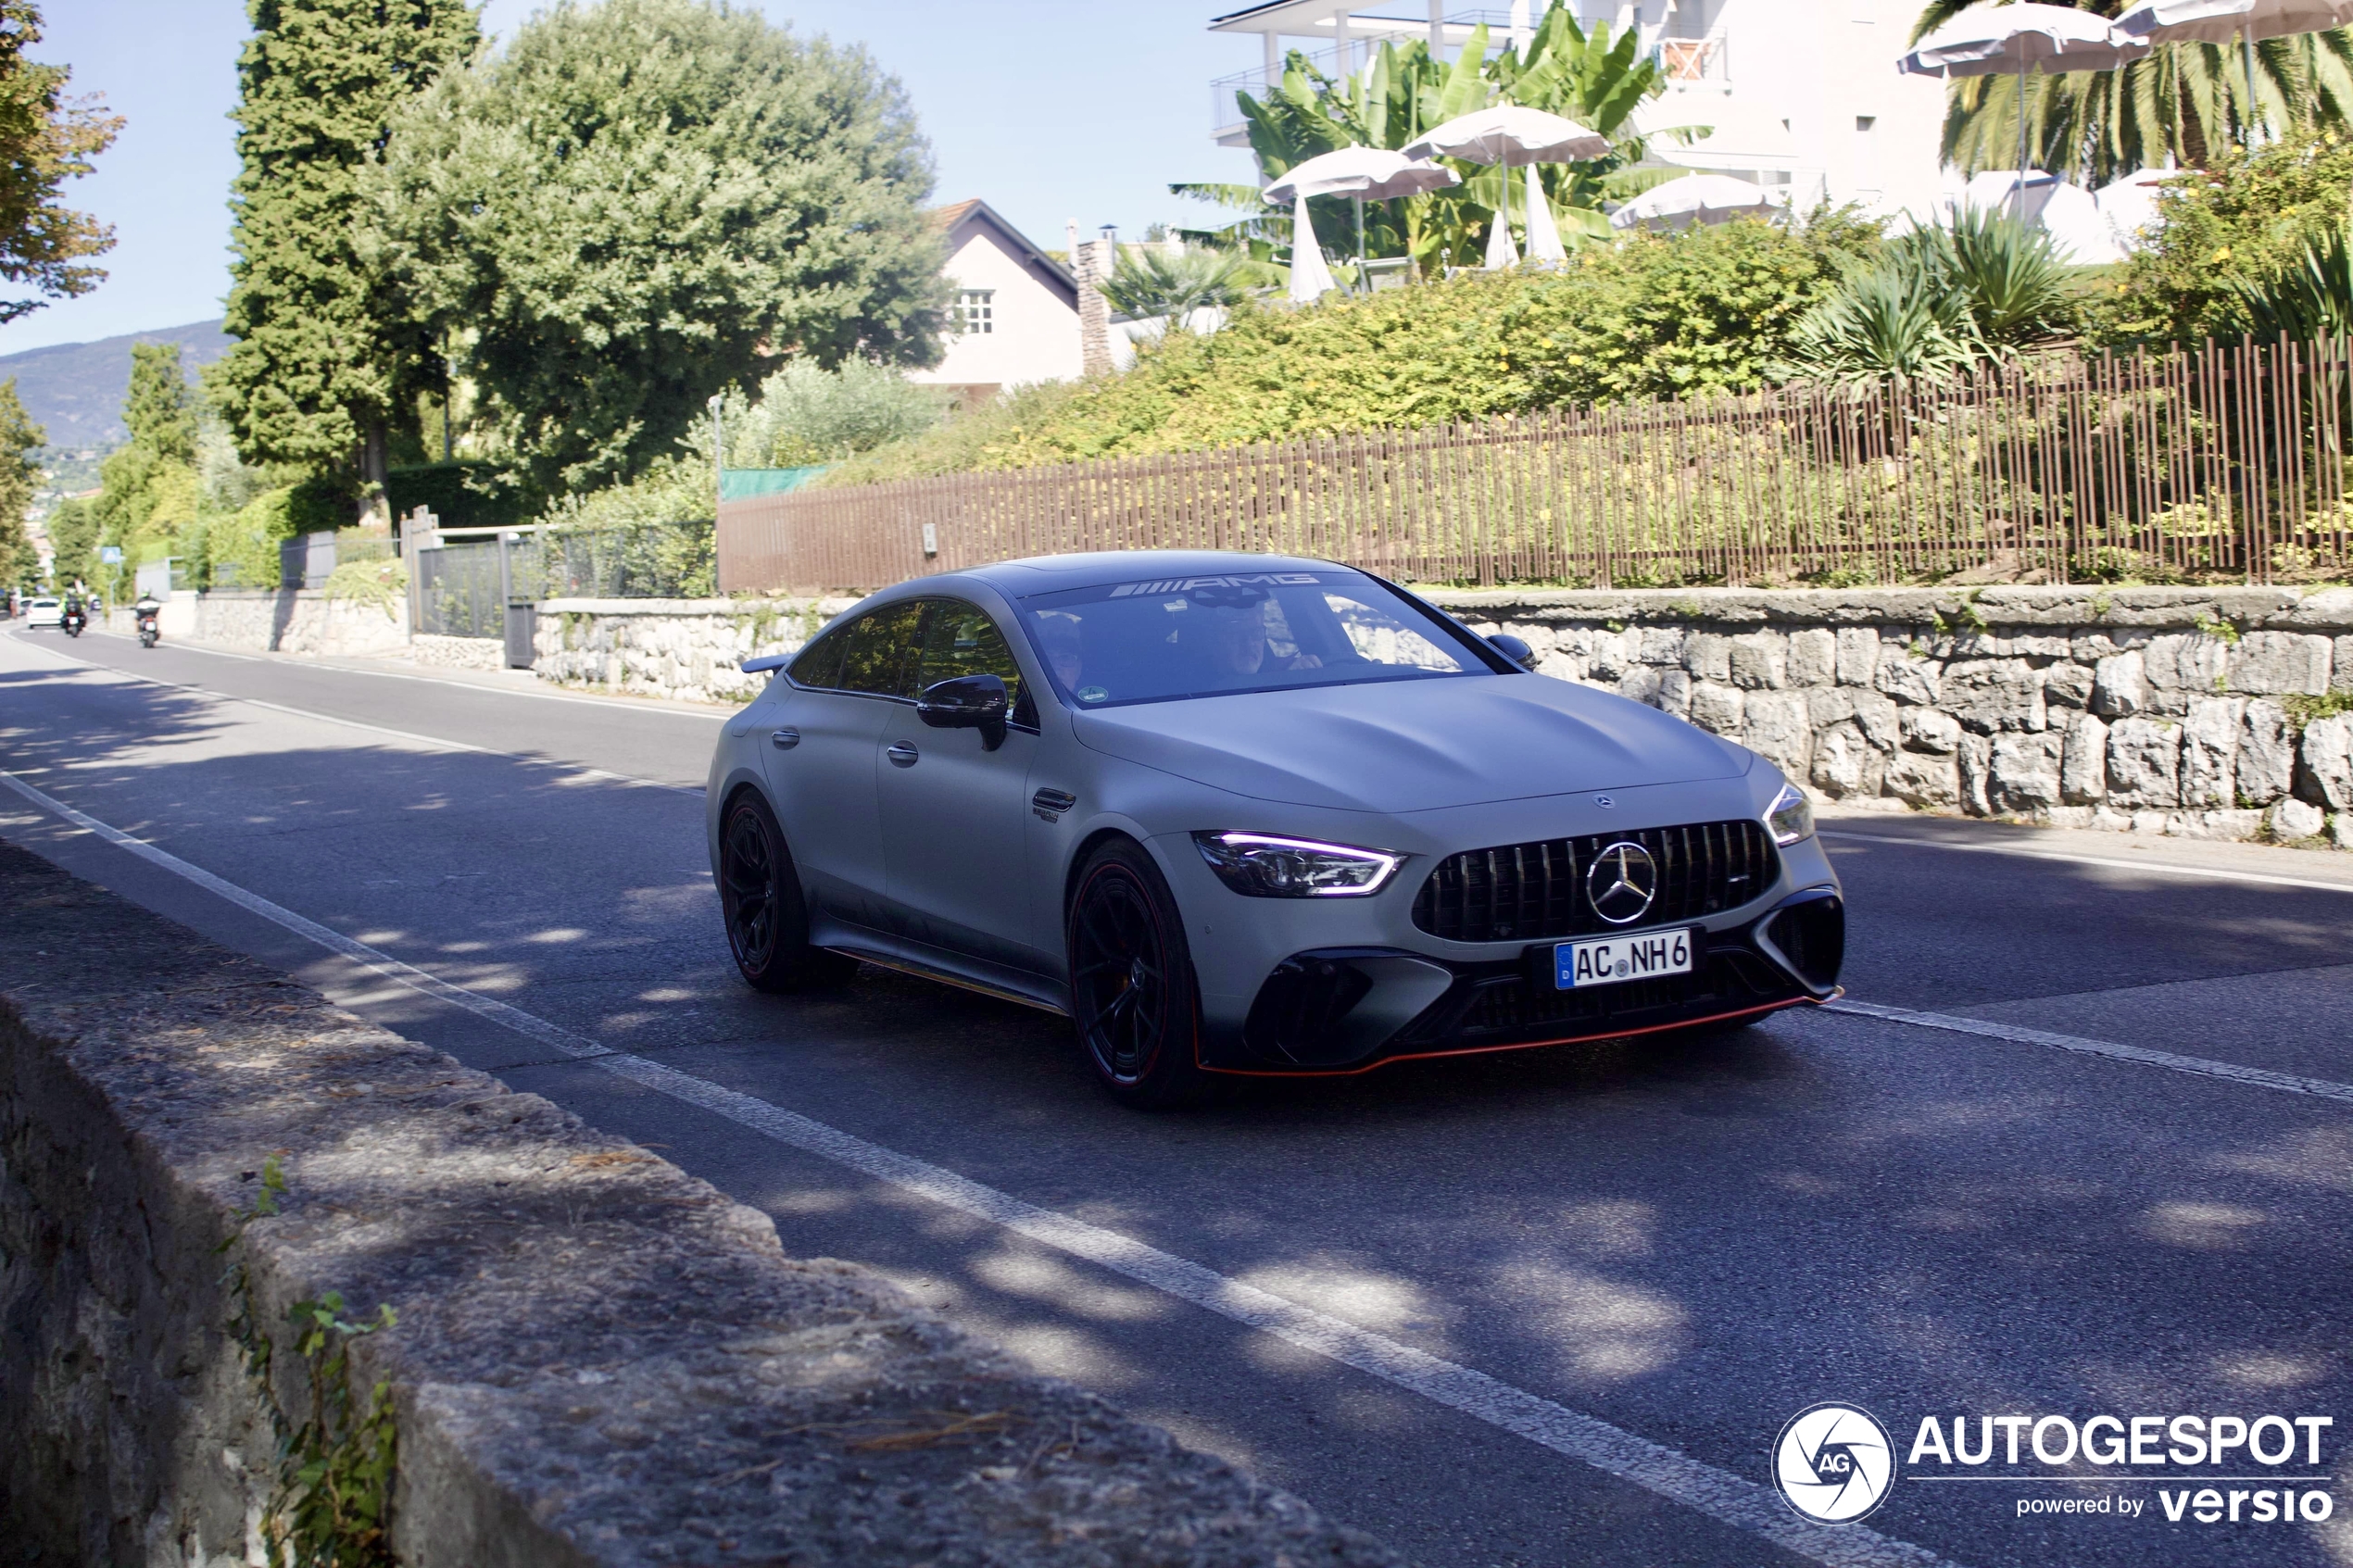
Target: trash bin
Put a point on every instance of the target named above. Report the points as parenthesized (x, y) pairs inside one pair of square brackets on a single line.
[(522, 636)]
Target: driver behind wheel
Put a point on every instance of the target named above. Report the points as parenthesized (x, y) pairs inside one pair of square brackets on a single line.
[(1237, 641)]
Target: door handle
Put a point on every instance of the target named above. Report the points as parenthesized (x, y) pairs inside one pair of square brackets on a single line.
[(785, 740), (902, 754)]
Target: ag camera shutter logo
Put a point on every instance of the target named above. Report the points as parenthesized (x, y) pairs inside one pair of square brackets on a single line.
[(1834, 1463)]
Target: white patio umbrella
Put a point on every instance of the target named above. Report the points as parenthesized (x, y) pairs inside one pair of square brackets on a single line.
[(1696, 198), (2218, 22), (1989, 40), (1361, 173), (1311, 277), (1544, 234), (1515, 137)]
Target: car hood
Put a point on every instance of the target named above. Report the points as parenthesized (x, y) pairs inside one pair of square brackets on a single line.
[(1413, 746)]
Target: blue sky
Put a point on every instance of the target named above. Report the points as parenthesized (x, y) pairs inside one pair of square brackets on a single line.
[(1048, 109)]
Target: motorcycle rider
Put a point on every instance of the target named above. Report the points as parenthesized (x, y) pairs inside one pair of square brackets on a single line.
[(77, 613), (144, 612)]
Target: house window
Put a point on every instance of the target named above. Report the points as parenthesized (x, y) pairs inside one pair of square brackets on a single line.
[(976, 310)]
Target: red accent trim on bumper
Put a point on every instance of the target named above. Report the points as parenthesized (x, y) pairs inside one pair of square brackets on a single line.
[(1519, 1045)]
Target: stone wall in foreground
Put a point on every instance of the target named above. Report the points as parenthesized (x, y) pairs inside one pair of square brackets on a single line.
[(597, 1359), (2198, 712)]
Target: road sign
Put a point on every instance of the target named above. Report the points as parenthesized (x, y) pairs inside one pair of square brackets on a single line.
[(110, 554)]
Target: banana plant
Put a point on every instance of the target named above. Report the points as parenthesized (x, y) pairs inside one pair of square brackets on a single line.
[(1596, 77)]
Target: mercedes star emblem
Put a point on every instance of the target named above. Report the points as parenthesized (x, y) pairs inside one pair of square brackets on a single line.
[(1621, 883)]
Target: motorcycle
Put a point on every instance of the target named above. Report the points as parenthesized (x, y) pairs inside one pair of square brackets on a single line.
[(75, 620), (148, 631)]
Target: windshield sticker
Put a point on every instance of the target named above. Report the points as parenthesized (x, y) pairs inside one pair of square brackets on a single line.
[(1092, 694), (1183, 585)]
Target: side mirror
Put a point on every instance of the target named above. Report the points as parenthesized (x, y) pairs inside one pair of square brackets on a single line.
[(1513, 648), (968, 702)]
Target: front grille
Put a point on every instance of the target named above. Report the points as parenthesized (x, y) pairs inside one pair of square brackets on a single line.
[(1529, 892)]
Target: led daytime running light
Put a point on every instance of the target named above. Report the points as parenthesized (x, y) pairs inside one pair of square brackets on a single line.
[(1264, 865)]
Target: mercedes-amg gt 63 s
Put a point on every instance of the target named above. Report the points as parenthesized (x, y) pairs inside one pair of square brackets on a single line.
[(1248, 815)]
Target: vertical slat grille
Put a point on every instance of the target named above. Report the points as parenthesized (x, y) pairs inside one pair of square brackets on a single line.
[(1530, 892)]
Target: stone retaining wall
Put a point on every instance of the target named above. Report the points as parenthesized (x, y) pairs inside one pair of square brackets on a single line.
[(597, 1359), (295, 620), (686, 649), (2198, 712), (2204, 712)]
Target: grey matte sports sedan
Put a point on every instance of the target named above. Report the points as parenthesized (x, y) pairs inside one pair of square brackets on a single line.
[(1249, 815)]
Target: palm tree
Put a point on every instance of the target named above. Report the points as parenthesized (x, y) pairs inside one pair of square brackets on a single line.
[(2184, 101)]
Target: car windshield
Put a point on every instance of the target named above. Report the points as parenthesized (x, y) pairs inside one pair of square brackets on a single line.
[(1207, 636)]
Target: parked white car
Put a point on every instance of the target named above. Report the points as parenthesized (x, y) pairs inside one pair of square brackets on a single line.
[(45, 611)]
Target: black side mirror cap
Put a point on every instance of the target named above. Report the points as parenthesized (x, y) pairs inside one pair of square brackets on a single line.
[(764, 663), (1513, 648), (968, 702)]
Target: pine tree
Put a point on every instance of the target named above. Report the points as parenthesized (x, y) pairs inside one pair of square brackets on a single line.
[(327, 358)]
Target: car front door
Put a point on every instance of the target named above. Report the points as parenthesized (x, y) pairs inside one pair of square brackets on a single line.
[(821, 758), (953, 807)]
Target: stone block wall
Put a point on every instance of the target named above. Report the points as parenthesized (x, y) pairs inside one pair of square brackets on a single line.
[(689, 650), (302, 621), (2196, 712)]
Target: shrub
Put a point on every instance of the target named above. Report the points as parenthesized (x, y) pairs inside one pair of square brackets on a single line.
[(1650, 316), (2246, 217), (805, 414)]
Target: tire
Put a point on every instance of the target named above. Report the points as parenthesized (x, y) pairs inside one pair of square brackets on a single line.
[(1134, 999), (761, 900)]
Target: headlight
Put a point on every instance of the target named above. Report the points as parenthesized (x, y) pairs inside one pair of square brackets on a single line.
[(1791, 816), (1265, 866)]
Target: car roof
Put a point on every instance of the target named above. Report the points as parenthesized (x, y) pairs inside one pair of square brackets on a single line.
[(1096, 568)]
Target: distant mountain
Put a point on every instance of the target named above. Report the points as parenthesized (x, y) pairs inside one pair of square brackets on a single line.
[(76, 389)]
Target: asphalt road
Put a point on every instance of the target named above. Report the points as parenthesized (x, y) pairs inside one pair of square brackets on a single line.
[(1689, 1243)]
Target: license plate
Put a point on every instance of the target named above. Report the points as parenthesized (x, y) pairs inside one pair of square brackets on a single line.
[(1608, 960)]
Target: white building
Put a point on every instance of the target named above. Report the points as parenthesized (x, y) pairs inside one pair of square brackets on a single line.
[(1801, 94), (1015, 311)]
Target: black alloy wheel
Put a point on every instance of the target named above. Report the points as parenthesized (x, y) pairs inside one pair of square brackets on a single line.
[(1133, 994), (759, 898)]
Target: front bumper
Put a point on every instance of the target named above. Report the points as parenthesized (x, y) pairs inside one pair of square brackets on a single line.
[(1345, 1009)]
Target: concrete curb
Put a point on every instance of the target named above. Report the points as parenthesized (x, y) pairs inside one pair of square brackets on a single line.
[(599, 1359)]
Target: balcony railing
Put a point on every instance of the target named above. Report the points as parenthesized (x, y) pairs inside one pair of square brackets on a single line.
[(1694, 59), (1260, 80)]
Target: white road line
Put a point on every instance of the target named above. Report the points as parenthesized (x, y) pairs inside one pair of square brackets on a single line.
[(1719, 1494), (2162, 868), (657, 705), (2198, 1066), (439, 742)]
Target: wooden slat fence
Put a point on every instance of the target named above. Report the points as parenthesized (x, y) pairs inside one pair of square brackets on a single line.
[(2229, 459)]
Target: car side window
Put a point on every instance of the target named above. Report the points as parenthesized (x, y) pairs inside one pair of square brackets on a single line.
[(961, 639), (819, 664), (880, 655)]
